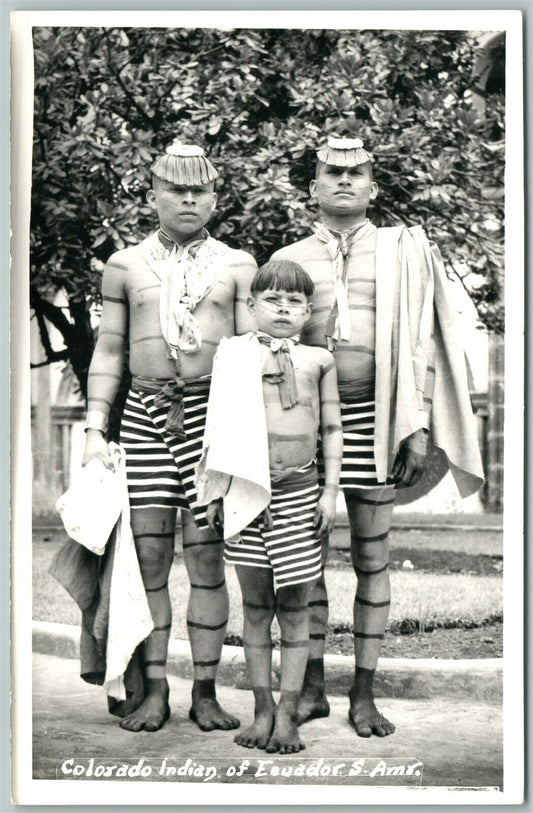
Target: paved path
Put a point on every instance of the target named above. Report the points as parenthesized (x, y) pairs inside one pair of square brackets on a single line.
[(458, 741)]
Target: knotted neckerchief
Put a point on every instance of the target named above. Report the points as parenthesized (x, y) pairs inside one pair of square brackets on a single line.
[(187, 274), (339, 244), (278, 367)]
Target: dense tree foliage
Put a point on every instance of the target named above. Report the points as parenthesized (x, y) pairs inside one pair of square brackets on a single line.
[(107, 101)]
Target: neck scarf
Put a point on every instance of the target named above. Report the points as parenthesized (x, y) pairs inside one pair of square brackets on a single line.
[(187, 274), (278, 367), (339, 244)]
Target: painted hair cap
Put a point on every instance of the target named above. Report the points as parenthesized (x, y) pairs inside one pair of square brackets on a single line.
[(185, 164), (343, 152)]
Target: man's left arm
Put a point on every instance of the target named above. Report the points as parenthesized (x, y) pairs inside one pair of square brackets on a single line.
[(410, 462), (245, 270)]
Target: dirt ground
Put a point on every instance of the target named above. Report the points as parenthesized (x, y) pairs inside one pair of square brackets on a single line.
[(480, 642)]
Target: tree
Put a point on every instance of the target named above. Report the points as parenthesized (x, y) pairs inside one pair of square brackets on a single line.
[(107, 101)]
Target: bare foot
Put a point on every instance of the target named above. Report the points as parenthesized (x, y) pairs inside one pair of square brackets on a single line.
[(258, 734), (153, 712), (365, 717), (313, 703), (285, 738), (209, 714)]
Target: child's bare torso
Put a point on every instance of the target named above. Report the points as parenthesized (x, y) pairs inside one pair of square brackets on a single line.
[(292, 433)]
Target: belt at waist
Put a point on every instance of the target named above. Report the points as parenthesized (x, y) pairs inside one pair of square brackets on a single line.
[(301, 476), (170, 392), (363, 390)]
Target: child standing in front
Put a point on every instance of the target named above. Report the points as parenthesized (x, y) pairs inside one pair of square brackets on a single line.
[(270, 397)]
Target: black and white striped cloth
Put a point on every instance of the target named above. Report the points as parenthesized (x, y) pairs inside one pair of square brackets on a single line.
[(358, 467), (160, 469), (291, 549)]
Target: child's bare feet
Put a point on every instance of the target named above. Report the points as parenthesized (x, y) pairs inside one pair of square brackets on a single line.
[(285, 738), (258, 734), (153, 712), (365, 717)]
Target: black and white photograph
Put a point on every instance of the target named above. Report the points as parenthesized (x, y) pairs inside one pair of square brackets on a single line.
[(267, 300)]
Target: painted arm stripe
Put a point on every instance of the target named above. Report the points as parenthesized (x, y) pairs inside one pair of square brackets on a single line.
[(317, 636), (428, 400), (368, 635), (331, 429), (355, 348), (155, 663), (292, 608), (107, 332), (320, 603), (208, 586), (93, 399), (117, 300), (162, 629), (147, 288), (367, 603), (287, 438), (328, 367), (158, 336), (206, 663), (431, 369), (105, 375), (169, 535), (213, 627), (363, 308)]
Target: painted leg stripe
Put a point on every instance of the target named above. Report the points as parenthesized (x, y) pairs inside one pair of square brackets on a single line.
[(208, 586), (198, 626), (255, 645), (361, 572), (294, 644), (206, 542), (365, 539), (367, 603), (156, 589)]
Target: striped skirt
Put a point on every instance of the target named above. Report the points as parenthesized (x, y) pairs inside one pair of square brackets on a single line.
[(291, 549), (358, 467), (160, 469)]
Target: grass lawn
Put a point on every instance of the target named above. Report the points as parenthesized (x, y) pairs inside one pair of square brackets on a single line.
[(433, 599)]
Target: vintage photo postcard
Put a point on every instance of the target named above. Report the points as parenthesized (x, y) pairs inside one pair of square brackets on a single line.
[(267, 424)]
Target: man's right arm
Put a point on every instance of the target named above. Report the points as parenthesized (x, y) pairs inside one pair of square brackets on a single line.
[(107, 362)]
